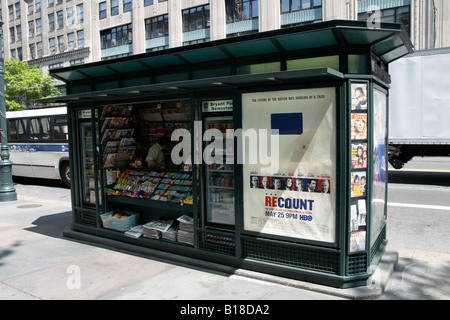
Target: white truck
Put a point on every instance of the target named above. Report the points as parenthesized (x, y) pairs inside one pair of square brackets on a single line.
[(419, 106)]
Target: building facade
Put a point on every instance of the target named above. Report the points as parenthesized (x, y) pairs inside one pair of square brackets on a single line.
[(60, 33)]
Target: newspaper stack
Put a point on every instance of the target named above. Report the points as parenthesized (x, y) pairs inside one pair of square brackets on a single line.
[(135, 232), (170, 234), (186, 231), (154, 228)]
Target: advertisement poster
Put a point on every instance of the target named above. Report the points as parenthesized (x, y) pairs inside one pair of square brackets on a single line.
[(379, 162), (290, 179)]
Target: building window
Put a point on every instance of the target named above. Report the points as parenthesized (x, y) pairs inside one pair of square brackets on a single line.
[(288, 6), (51, 3), (70, 16), (55, 65), (114, 7), (61, 44), (392, 15), (102, 10), (38, 5), (116, 37), (38, 26), (51, 22), (11, 12), (19, 32), (18, 10), (241, 10), (196, 18), (157, 27), (76, 61), (60, 15), (12, 35), (19, 54), (80, 39), (40, 52), (71, 41), (80, 13), (31, 29), (148, 3), (31, 7), (52, 45), (127, 6), (32, 51)]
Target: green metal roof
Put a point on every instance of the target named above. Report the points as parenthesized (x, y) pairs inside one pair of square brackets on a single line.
[(389, 42), (180, 86)]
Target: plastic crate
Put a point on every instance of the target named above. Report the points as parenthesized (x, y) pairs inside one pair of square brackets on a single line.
[(126, 221)]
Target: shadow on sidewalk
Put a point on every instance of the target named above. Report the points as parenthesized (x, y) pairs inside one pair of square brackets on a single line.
[(419, 280), (52, 225)]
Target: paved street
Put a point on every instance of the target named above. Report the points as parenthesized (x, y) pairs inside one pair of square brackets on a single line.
[(418, 226)]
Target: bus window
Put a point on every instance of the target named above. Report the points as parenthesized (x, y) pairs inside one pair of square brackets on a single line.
[(60, 128), (17, 130), (40, 128)]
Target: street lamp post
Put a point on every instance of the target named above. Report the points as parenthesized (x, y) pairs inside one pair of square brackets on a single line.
[(7, 190)]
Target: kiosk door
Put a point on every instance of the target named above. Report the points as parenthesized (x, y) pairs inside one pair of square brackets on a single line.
[(219, 154)]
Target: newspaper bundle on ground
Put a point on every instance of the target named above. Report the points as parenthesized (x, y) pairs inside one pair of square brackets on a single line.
[(186, 223), (170, 234), (185, 237), (154, 228), (135, 232), (186, 231)]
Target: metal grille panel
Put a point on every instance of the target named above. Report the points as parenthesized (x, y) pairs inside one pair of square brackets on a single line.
[(291, 255), (86, 217), (357, 264), (217, 242)]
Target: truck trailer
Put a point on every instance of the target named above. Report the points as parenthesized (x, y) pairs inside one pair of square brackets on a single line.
[(419, 106)]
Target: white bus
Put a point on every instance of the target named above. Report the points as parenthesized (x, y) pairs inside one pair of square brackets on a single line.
[(38, 143)]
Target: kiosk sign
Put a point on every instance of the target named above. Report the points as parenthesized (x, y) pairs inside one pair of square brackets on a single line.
[(296, 198), (217, 106)]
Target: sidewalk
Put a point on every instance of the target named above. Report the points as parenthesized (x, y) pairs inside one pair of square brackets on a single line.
[(38, 262)]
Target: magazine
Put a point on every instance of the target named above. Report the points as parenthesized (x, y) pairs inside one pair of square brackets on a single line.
[(359, 126), (359, 155), (358, 184)]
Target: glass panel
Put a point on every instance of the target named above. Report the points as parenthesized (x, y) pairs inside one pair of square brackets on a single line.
[(259, 68), (220, 174), (357, 63), (310, 63)]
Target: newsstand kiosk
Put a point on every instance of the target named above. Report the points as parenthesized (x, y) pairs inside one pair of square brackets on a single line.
[(277, 160)]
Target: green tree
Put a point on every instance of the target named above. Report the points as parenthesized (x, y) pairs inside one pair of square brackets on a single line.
[(24, 85)]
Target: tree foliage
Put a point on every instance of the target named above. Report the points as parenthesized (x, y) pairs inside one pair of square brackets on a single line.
[(24, 85)]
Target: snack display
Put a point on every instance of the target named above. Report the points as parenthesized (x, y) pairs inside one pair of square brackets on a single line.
[(162, 186)]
